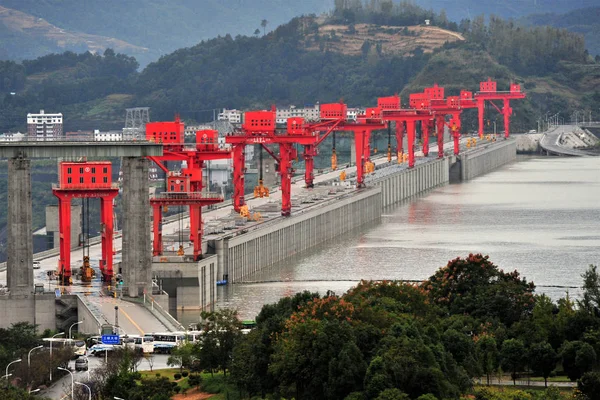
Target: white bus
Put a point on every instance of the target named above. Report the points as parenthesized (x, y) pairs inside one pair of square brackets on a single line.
[(78, 346), (164, 342)]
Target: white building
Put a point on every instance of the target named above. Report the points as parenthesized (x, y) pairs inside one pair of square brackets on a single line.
[(308, 113), (110, 136), (44, 125), (233, 116), (353, 112), (12, 137)]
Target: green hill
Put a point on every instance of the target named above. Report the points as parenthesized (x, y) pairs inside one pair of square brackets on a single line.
[(585, 21)]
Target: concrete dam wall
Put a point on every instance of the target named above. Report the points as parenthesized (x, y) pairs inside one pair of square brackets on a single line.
[(241, 256), (402, 185), (486, 159)]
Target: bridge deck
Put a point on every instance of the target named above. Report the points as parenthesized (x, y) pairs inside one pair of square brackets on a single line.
[(74, 149)]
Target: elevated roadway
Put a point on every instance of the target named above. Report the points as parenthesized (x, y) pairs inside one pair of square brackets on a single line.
[(134, 318), (76, 149), (550, 142)]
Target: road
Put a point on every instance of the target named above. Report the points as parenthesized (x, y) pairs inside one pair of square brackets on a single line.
[(62, 388), (550, 142)]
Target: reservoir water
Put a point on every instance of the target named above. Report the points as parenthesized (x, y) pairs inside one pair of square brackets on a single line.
[(540, 216)]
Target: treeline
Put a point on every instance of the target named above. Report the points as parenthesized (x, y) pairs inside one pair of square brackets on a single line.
[(392, 340), (528, 51), (398, 341), (386, 12)]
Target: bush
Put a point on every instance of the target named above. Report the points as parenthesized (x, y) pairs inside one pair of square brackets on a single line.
[(176, 389), (185, 374), (177, 376), (194, 380), (157, 374)]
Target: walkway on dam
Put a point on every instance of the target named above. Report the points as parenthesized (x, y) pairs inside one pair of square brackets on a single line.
[(135, 318), (550, 142)]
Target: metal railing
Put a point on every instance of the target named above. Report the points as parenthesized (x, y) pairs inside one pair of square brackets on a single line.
[(187, 195), (85, 186)]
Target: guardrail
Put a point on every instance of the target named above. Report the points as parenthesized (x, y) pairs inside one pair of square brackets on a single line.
[(157, 311)]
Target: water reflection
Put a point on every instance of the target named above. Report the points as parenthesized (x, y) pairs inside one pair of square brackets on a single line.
[(539, 216)]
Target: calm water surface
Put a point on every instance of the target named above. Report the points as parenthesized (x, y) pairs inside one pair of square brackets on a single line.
[(540, 216)]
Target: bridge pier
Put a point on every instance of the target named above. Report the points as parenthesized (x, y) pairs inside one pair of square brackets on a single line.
[(19, 264), (137, 253)]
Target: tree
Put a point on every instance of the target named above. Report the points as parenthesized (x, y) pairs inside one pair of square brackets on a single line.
[(477, 287), (487, 354), (577, 358), (542, 360), (256, 32), (221, 330), (591, 290), (392, 394), (182, 356), (589, 385), (512, 356), (264, 24)]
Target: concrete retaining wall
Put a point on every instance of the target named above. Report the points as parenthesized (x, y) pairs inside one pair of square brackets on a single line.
[(190, 285), (407, 183), (36, 309), (243, 255), (479, 162)]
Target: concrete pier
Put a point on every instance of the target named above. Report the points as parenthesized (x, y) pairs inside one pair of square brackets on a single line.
[(137, 253), (243, 255), (402, 185), (486, 159), (19, 276)]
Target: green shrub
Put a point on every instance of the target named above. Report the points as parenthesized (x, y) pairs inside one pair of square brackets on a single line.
[(177, 376), (185, 374)]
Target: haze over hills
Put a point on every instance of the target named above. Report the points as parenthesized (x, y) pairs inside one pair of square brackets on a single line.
[(148, 29), (161, 26)]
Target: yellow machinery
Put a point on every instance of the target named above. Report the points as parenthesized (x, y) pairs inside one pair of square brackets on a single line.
[(87, 272), (244, 212), (369, 167), (400, 157), (261, 190), (343, 176), (180, 251), (389, 153), (333, 160)]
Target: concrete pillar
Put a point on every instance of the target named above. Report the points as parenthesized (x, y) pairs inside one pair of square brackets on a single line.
[(137, 254), (19, 270)]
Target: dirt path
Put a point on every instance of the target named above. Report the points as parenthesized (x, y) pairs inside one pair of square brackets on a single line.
[(193, 394)]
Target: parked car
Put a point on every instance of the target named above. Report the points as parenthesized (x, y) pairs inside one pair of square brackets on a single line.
[(81, 364)]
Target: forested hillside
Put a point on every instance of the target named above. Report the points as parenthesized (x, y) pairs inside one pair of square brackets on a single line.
[(585, 21), (301, 63), (163, 26)]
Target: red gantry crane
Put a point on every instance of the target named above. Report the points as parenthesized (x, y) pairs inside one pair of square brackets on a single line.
[(183, 188), (488, 92), (85, 180), (333, 118), (389, 109), (433, 100)]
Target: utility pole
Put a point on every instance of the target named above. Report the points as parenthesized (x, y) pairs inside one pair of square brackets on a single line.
[(116, 320)]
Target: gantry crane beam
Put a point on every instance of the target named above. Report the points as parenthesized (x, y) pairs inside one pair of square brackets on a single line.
[(206, 148), (488, 92)]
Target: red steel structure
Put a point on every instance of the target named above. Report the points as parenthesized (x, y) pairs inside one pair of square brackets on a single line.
[(488, 92), (205, 148), (433, 99), (82, 180), (259, 128), (391, 111), (334, 118)]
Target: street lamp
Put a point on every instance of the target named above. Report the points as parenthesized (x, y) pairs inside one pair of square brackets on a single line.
[(118, 398), (9, 364), (72, 391), (58, 334), (29, 355), (34, 391), (71, 327), (88, 388)]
